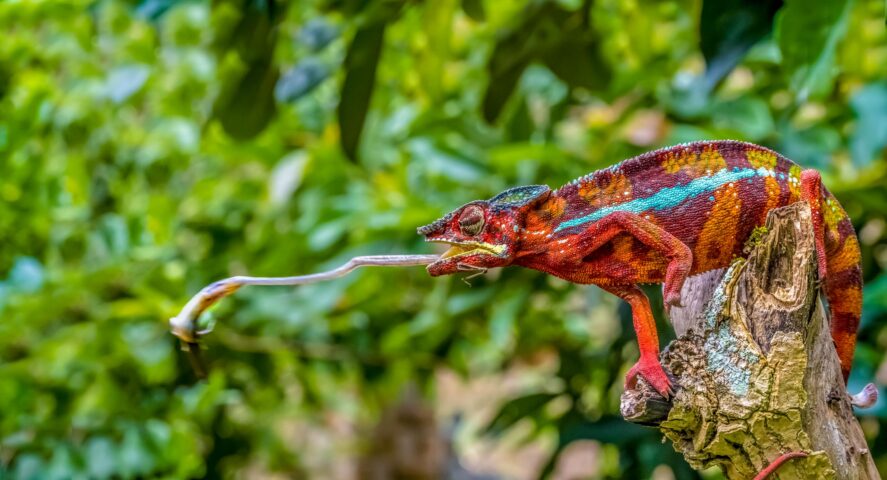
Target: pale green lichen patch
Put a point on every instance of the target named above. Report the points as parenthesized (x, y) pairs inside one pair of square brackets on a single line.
[(742, 409), (729, 359)]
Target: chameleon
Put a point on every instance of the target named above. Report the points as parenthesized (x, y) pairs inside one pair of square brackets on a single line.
[(657, 218)]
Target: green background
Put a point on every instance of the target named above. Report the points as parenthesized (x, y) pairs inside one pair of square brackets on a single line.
[(148, 148)]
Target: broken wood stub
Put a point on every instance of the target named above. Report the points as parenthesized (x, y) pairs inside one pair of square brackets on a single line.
[(756, 372)]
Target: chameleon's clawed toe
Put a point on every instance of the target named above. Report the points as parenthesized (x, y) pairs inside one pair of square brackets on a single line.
[(653, 373), (672, 300)]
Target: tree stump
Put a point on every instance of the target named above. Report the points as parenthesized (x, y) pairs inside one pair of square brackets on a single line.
[(755, 369)]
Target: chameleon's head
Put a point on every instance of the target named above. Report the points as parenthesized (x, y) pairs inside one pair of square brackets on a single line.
[(485, 233)]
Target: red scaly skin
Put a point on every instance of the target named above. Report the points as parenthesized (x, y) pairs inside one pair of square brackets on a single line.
[(657, 218)]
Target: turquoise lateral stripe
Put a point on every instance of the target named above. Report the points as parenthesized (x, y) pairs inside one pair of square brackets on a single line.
[(670, 197)]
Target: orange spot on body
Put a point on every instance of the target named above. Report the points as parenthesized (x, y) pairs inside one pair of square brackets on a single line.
[(543, 217), (707, 162), (846, 256), (773, 191), (675, 161), (760, 158), (606, 190), (717, 240)]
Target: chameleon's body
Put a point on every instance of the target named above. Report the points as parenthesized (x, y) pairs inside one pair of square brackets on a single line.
[(657, 218)]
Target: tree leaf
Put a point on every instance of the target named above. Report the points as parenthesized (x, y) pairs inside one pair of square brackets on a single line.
[(559, 38), (154, 9), (728, 29), (808, 34), (748, 116), (578, 63), (125, 81), (813, 146), (475, 10), (357, 89), (517, 409), (317, 33), (300, 80), (246, 104), (247, 110)]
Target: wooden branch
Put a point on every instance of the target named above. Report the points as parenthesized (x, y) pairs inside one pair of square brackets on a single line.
[(756, 370)]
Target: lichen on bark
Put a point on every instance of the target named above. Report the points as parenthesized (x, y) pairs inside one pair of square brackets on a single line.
[(736, 414)]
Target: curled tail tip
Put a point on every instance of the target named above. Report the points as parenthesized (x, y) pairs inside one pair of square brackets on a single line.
[(775, 464), (866, 398)]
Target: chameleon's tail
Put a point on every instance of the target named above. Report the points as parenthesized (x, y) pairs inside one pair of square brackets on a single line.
[(839, 265), (843, 289)]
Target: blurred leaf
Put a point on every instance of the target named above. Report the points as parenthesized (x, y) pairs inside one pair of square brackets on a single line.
[(300, 80), (124, 81), (811, 147), (136, 458), (253, 33), (249, 107), (246, 104), (317, 33), (438, 18), (287, 177), (474, 9), (611, 429), (154, 9), (5, 82), (808, 34), (504, 314), (360, 79), (63, 464), (516, 410), (577, 61), (99, 456), (26, 275), (869, 137), (748, 116), (29, 467), (728, 29), (561, 39), (874, 300)]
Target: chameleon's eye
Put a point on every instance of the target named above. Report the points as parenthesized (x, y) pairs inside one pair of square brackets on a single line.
[(471, 222)]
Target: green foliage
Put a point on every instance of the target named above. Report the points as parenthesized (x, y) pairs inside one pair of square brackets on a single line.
[(148, 148)]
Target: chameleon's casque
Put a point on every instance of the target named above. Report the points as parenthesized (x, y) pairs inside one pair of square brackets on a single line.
[(657, 218)]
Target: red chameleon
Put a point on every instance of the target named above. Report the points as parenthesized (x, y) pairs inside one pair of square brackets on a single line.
[(656, 218)]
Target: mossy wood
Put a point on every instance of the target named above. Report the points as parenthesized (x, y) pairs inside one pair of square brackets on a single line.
[(756, 369)]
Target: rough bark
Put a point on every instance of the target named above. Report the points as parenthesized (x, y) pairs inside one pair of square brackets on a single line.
[(755, 368)]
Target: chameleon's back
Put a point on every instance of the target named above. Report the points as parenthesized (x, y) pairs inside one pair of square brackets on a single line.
[(711, 196)]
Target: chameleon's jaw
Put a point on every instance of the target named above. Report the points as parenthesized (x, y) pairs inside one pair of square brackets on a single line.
[(470, 253)]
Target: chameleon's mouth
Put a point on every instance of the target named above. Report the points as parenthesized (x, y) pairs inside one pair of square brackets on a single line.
[(463, 249)]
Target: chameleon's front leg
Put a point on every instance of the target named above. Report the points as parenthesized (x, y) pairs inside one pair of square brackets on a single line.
[(680, 260), (648, 365)]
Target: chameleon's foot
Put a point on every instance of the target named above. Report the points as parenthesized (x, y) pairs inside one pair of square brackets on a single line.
[(652, 371), (672, 299), (866, 397)]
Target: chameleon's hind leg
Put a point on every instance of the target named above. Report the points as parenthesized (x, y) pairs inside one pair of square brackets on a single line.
[(811, 192), (648, 365)]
